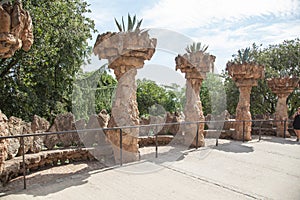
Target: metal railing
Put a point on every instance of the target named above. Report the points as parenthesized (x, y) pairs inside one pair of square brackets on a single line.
[(121, 128)]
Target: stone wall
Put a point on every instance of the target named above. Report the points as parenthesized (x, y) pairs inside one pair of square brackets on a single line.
[(11, 148), (14, 167), (162, 130), (16, 126)]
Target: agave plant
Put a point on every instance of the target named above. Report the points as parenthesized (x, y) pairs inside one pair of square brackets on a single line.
[(131, 22), (243, 56), (196, 47)]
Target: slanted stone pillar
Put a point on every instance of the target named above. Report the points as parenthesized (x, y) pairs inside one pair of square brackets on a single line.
[(126, 52), (245, 76), (195, 65), (15, 29), (282, 87)]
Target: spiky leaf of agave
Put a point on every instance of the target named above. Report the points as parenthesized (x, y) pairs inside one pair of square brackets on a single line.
[(118, 25), (194, 47), (246, 55), (130, 24), (134, 20), (188, 49), (198, 46), (204, 48), (123, 24), (139, 23)]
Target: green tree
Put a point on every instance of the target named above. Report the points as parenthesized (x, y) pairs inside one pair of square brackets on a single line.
[(212, 95), (150, 94), (40, 81), (232, 93), (282, 60), (105, 91), (92, 92), (279, 60)]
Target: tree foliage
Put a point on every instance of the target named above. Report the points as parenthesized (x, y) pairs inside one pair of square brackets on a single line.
[(150, 94), (212, 95), (92, 92), (280, 60), (40, 81)]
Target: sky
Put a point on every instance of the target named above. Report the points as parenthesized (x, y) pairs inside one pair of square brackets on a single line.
[(224, 25)]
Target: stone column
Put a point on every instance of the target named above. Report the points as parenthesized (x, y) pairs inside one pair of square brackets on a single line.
[(193, 111), (195, 65), (126, 52), (243, 112), (15, 29), (282, 87), (125, 113), (245, 76)]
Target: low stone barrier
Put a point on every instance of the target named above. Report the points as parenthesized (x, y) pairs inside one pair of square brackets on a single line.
[(14, 167), (161, 140)]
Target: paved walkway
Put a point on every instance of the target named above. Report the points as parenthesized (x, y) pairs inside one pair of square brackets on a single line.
[(269, 169)]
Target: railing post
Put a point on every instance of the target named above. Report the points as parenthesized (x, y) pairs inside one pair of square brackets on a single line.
[(156, 142), (284, 129), (23, 164), (243, 130), (121, 147), (197, 135)]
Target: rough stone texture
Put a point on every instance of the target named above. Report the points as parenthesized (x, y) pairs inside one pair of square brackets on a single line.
[(14, 128), (103, 118), (282, 87), (144, 131), (10, 148), (245, 76), (195, 65), (202, 62), (97, 139), (91, 138), (38, 125), (161, 140), (126, 52), (28, 141), (172, 129), (3, 143), (17, 126), (15, 29), (176, 118), (130, 145), (63, 122)]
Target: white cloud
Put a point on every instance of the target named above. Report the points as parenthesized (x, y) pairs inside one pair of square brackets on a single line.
[(224, 42), (224, 25), (178, 14)]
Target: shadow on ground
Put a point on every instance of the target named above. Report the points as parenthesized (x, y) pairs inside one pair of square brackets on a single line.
[(279, 140), (55, 179), (234, 147)]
